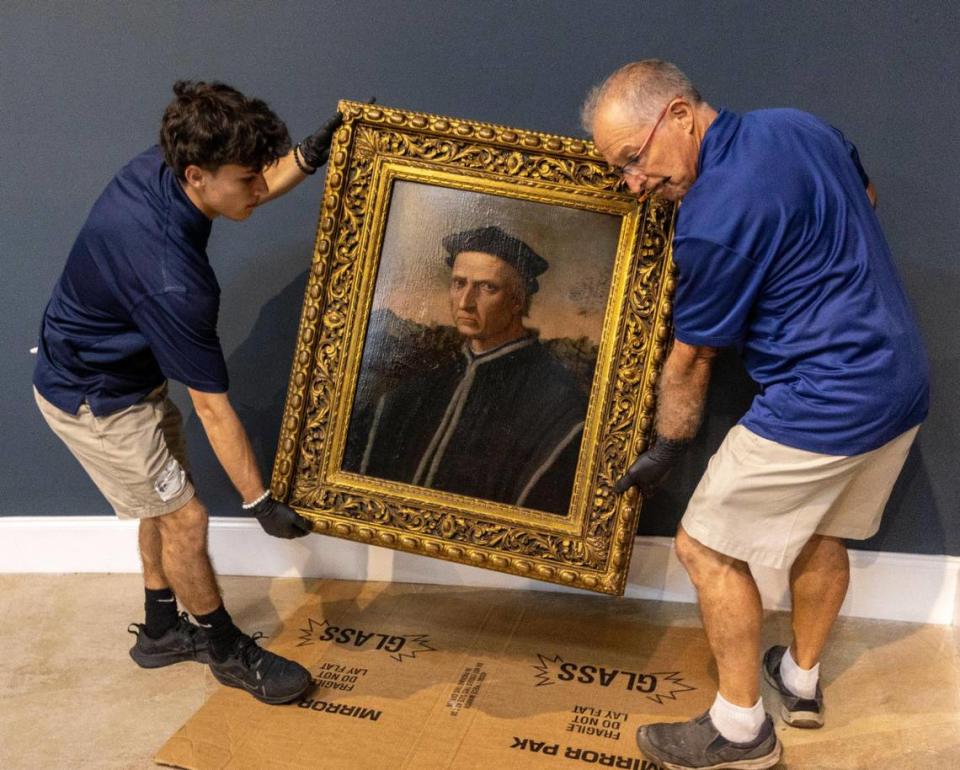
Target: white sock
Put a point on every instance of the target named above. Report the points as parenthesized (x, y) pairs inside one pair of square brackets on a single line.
[(736, 723), (802, 682)]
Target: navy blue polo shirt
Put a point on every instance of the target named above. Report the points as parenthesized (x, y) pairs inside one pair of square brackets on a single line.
[(779, 252), (137, 302)]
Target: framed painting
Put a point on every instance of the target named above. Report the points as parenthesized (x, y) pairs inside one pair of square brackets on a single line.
[(479, 345)]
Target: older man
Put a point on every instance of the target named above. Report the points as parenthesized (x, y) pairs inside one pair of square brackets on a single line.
[(501, 423), (779, 252)]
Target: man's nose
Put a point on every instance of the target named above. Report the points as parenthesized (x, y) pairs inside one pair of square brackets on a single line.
[(468, 297), (262, 188), (635, 183)]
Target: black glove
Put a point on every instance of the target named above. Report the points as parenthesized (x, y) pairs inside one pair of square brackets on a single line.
[(652, 466), (315, 149), (280, 520)]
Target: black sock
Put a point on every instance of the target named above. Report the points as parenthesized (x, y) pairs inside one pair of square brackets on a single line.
[(221, 631), (161, 607)]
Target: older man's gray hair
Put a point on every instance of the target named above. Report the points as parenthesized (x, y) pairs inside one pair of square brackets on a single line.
[(645, 86)]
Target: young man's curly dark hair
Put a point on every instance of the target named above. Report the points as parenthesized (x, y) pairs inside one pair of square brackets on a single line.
[(212, 124)]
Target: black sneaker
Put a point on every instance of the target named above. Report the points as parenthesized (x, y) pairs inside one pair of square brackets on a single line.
[(794, 710), (698, 745), (265, 675), (185, 641)]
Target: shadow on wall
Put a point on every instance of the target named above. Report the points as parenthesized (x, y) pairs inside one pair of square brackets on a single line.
[(259, 370), (911, 515), (731, 391)]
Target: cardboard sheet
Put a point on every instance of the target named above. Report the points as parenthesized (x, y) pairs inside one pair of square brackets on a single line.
[(435, 677)]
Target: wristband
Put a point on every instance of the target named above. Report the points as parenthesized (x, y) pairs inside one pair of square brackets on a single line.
[(253, 504), (301, 164)]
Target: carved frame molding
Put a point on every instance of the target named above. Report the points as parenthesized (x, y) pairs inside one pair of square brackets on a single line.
[(374, 147)]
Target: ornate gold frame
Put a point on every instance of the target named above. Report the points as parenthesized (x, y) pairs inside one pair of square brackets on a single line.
[(591, 547)]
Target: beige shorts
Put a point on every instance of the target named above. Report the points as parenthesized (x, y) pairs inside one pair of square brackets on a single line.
[(760, 501), (135, 456)]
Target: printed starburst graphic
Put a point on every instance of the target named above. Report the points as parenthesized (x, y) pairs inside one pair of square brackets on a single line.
[(312, 633), (675, 687), (415, 643), (547, 670)]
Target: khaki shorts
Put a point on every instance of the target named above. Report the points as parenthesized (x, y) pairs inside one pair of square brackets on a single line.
[(135, 456), (760, 501)]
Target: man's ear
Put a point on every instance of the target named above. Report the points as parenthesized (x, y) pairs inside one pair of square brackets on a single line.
[(195, 176), (682, 111)]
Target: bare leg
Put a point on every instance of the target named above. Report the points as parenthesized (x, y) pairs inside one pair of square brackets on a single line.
[(185, 560), (732, 615), (818, 583), (151, 555)]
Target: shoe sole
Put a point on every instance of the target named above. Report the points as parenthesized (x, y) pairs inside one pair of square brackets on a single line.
[(805, 720), (275, 700), (760, 763), (756, 763), (164, 659)]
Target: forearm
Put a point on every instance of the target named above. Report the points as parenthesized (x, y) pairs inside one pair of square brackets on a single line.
[(232, 447), (680, 398), (282, 177), (682, 391)]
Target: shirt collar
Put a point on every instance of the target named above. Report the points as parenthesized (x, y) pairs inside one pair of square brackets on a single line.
[(716, 139), (501, 350), (191, 221)]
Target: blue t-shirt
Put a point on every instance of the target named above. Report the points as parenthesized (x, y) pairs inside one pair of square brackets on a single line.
[(137, 302), (779, 252)]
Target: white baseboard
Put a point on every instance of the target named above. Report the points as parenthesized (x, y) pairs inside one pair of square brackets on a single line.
[(887, 586)]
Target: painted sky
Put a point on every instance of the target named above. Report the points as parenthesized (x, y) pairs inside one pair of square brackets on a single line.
[(579, 245)]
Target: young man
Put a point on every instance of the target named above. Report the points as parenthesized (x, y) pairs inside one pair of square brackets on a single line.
[(780, 252), (136, 305)]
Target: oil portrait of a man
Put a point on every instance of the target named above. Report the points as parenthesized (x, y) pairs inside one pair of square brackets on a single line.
[(478, 402)]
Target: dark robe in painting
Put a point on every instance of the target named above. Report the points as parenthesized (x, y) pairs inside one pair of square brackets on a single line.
[(504, 426)]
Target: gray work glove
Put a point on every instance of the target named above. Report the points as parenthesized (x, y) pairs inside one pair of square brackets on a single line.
[(315, 149), (280, 520), (652, 467)]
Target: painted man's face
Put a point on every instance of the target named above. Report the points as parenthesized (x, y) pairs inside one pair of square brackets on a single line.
[(485, 300)]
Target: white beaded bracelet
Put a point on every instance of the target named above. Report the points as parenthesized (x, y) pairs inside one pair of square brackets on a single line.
[(255, 503)]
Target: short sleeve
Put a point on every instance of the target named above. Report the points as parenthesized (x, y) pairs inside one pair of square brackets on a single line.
[(716, 291), (181, 329), (854, 156)]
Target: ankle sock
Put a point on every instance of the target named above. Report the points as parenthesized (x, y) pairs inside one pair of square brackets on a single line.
[(802, 682), (736, 723), (221, 631), (161, 611)]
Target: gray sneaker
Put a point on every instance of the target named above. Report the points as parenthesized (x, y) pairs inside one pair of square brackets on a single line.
[(698, 745), (794, 710), (185, 641)]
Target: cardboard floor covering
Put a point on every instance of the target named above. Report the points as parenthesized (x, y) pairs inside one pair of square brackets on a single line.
[(424, 677)]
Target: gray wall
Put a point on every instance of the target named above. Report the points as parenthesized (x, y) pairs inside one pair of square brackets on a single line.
[(84, 84)]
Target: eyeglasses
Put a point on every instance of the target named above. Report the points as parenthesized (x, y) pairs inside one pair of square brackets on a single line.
[(633, 167)]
